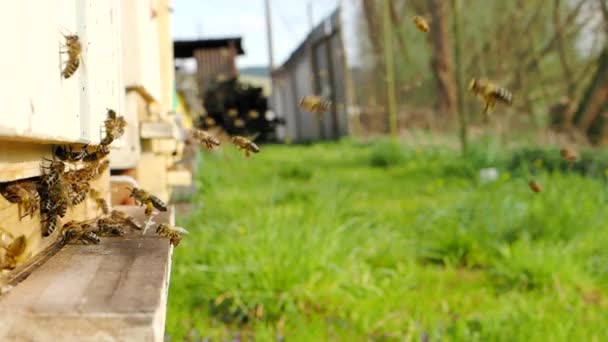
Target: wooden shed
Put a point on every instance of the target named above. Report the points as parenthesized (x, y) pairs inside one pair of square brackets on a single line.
[(115, 290), (315, 67)]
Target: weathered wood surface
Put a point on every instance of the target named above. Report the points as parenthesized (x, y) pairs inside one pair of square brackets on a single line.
[(115, 291)]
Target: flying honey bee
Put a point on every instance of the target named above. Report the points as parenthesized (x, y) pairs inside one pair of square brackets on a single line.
[(535, 186), (490, 93), (102, 204), (13, 251), (73, 50), (232, 113), (203, 138), (568, 155), (421, 23), (142, 197), (25, 195), (173, 233), (315, 104), (80, 232), (253, 114), (245, 144), (114, 126), (210, 122)]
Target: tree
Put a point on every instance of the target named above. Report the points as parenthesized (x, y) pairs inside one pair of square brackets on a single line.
[(441, 61)]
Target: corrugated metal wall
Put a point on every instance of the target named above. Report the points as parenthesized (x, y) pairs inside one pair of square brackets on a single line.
[(315, 67)]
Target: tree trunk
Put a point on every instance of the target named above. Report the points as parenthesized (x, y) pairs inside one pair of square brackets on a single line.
[(441, 62), (561, 49), (587, 117)]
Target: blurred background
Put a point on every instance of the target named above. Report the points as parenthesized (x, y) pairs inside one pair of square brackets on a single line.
[(400, 214)]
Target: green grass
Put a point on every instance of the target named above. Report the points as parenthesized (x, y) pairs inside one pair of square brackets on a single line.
[(377, 241)]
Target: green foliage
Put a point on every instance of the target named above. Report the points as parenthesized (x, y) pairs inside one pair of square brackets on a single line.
[(378, 241)]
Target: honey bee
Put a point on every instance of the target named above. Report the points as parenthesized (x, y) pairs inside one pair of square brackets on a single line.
[(79, 232), (568, 155), (13, 251), (109, 227), (490, 93), (25, 195), (74, 49), (203, 138), (49, 225), (114, 126), (253, 114), (102, 204), (315, 104), (535, 186), (232, 113), (123, 217), (68, 154), (421, 23), (173, 233), (245, 144), (98, 153), (209, 122), (239, 123), (52, 173), (142, 197)]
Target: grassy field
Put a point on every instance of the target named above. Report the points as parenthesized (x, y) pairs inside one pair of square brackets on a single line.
[(377, 241)]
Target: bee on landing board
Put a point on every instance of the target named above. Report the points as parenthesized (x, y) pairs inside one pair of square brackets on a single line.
[(490, 93), (173, 233), (245, 144), (73, 50), (421, 23), (80, 232)]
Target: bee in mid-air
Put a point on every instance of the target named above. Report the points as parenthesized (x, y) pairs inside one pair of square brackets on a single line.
[(203, 138), (173, 233), (25, 194), (490, 93), (73, 50), (535, 186), (114, 126), (102, 204), (142, 197), (568, 155), (421, 23), (315, 104), (245, 144), (80, 232), (13, 251)]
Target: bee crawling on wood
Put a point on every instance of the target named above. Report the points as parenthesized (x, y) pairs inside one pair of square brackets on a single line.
[(245, 144), (535, 186), (490, 93), (142, 197), (173, 233), (315, 104), (98, 153), (73, 50), (421, 23), (25, 194), (114, 127), (107, 226), (204, 138), (80, 232), (14, 250), (569, 155)]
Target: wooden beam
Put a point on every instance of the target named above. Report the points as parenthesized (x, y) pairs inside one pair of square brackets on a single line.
[(113, 291)]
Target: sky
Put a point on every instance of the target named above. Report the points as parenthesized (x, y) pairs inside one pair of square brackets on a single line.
[(194, 19)]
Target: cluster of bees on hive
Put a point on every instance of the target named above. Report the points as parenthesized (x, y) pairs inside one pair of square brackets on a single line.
[(66, 182)]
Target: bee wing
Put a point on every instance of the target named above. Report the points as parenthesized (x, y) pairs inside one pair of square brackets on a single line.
[(253, 136), (181, 230)]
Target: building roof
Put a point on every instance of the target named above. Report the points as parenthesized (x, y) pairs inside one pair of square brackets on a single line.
[(185, 48)]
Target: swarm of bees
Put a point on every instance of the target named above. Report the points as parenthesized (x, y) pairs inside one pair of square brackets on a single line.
[(73, 50)]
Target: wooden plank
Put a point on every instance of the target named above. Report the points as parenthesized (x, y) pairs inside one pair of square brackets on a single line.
[(179, 178), (151, 174), (20, 160), (113, 291), (126, 155)]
